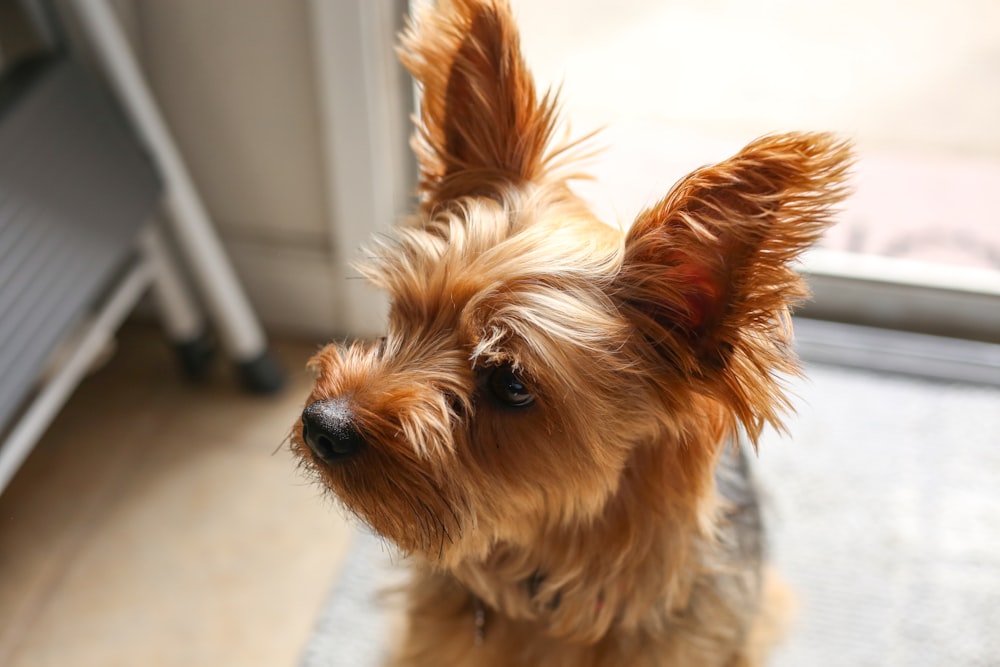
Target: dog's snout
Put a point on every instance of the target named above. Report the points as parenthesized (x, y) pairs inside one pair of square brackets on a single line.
[(329, 430)]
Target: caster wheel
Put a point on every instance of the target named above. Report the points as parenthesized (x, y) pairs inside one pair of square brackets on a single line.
[(195, 356), (261, 375)]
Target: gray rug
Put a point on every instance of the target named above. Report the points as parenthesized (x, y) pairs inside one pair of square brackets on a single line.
[(884, 509)]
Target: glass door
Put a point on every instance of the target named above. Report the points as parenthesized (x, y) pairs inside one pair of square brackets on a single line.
[(917, 85)]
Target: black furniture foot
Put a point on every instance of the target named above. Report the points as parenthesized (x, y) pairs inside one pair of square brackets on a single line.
[(261, 375), (195, 356)]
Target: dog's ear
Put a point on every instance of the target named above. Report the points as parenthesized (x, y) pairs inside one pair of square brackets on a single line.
[(708, 272), (481, 123)]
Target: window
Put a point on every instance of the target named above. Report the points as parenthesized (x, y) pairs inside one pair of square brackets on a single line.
[(682, 83)]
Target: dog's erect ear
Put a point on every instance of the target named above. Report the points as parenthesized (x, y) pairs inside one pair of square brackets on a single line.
[(481, 123), (708, 277)]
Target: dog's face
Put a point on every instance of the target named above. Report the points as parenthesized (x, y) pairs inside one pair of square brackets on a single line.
[(530, 349), (505, 394)]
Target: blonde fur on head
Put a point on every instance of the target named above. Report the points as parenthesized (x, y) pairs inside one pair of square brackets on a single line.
[(545, 428)]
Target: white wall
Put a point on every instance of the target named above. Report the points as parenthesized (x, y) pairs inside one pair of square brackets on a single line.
[(249, 89)]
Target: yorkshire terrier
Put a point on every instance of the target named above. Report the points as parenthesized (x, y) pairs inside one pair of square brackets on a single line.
[(550, 428)]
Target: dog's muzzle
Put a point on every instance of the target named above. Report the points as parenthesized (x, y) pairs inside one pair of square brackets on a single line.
[(329, 431)]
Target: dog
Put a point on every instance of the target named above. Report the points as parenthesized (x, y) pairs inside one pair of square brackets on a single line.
[(555, 427)]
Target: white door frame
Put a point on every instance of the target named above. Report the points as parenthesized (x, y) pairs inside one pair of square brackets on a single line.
[(365, 101)]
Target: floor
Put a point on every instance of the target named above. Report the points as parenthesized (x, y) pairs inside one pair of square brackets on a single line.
[(161, 524)]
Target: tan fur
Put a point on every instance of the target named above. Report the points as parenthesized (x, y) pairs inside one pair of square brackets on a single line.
[(586, 528)]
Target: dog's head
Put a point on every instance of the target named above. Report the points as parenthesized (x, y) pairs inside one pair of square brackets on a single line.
[(531, 349)]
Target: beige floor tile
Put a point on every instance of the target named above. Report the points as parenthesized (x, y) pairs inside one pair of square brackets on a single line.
[(163, 524)]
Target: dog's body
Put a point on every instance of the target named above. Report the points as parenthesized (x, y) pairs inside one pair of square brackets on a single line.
[(630, 614), (545, 427)]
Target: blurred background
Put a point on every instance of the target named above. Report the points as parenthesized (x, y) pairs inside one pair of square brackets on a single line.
[(183, 185)]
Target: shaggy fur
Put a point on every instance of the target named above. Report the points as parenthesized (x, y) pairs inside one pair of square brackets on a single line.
[(544, 427)]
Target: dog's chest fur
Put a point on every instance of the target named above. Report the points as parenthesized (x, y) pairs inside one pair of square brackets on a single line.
[(588, 614)]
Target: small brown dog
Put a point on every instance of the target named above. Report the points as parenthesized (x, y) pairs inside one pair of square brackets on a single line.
[(545, 428)]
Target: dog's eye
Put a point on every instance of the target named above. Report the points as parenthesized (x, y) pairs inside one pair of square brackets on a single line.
[(508, 388)]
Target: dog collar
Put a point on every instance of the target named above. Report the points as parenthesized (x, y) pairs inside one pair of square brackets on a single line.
[(479, 620)]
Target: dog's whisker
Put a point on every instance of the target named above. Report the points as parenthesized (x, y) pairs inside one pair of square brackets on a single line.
[(454, 514), (442, 532), (284, 442)]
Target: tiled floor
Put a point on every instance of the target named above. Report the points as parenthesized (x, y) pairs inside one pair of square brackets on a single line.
[(159, 523)]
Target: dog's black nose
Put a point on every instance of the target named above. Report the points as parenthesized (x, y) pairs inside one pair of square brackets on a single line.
[(328, 429)]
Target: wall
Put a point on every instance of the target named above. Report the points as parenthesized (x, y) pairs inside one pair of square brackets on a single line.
[(249, 91)]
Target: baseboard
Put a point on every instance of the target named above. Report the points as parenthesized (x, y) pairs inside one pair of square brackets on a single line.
[(295, 290), (886, 350)]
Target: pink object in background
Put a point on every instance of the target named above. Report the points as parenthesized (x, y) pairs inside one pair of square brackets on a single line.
[(931, 208)]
